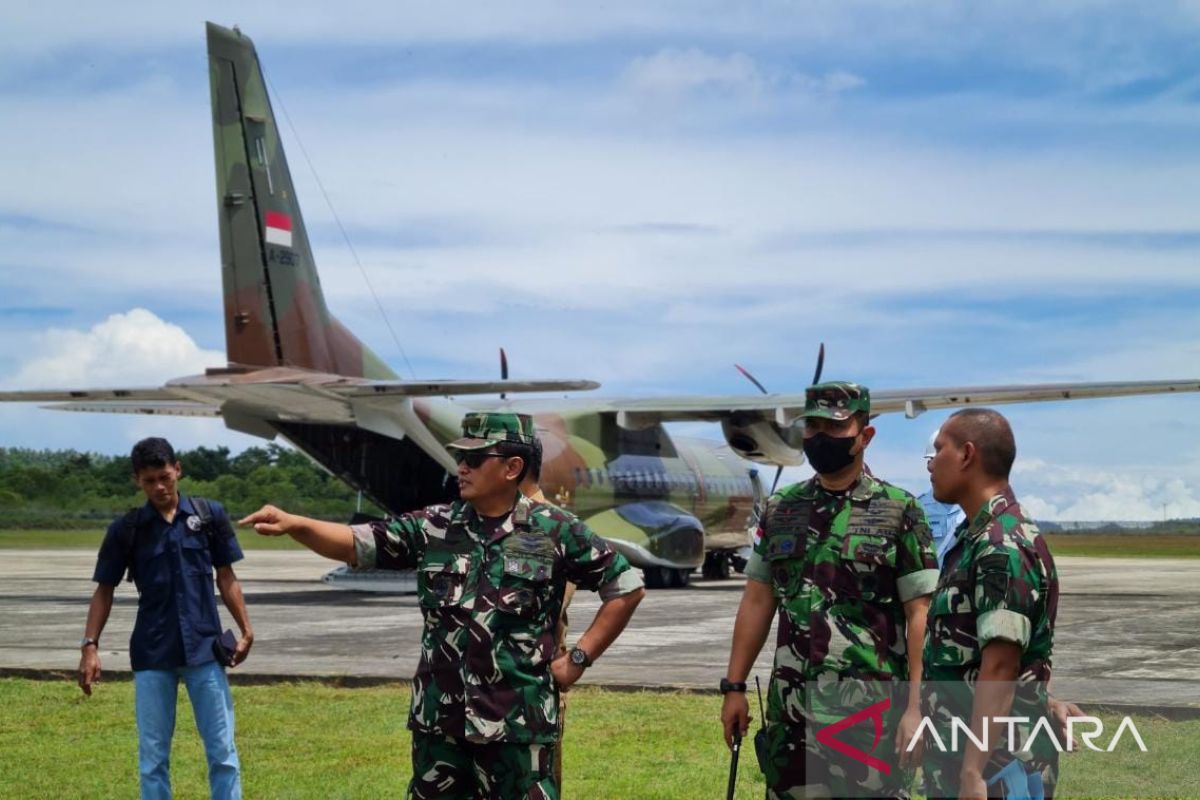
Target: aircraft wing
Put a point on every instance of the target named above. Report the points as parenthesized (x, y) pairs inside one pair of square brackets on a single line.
[(784, 409), (293, 394)]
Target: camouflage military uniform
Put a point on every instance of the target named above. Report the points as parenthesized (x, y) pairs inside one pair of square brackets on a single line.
[(842, 565), (491, 600), (998, 582)]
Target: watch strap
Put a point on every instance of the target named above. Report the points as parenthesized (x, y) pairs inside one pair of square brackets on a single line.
[(85, 641), (728, 686), (585, 662)]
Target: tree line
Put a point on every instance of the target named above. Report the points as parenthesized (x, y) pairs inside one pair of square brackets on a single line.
[(70, 489)]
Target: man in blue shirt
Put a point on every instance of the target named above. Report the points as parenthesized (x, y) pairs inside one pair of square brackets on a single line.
[(943, 518), (170, 547)]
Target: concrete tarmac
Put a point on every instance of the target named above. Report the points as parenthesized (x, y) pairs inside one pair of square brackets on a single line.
[(1128, 629)]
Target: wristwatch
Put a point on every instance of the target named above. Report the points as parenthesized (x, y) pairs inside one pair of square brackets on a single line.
[(579, 657), (728, 686), (85, 641)]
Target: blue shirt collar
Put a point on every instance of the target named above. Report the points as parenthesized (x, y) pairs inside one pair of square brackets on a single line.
[(149, 512)]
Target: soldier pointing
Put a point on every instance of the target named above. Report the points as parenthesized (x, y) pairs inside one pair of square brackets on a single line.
[(491, 569)]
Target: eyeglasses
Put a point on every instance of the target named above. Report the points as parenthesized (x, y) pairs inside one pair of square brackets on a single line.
[(473, 458)]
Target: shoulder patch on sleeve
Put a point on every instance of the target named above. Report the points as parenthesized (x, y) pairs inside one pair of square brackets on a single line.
[(993, 562), (993, 580)]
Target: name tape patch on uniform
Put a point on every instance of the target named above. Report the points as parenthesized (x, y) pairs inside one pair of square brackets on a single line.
[(789, 521), (882, 517)]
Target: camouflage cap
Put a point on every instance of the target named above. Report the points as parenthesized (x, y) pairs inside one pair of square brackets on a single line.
[(482, 430), (836, 400)]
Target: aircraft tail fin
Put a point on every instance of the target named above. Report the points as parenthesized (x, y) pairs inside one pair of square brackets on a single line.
[(275, 312)]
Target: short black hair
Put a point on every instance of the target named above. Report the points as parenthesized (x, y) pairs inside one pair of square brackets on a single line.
[(521, 451), (152, 453), (991, 435)]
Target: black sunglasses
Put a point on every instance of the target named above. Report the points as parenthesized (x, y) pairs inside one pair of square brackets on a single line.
[(473, 458)]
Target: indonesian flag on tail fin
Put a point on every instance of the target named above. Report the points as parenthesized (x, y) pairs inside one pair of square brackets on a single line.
[(279, 229)]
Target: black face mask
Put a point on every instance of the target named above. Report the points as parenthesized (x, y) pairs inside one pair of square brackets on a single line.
[(829, 454)]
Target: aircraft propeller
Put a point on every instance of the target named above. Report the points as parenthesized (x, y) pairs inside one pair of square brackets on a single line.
[(820, 365), (503, 370), (763, 389)]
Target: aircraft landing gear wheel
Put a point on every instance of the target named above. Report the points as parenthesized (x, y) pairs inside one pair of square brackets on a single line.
[(666, 577), (717, 566), (656, 577)]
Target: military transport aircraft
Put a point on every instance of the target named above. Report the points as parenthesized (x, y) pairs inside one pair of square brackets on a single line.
[(670, 504)]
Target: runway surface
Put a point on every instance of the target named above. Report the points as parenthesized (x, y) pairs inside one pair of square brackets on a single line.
[(1128, 630)]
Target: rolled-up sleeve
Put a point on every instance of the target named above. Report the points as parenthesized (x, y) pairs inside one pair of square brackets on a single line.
[(628, 581), (756, 568), (592, 563), (394, 543), (916, 562), (1004, 597)]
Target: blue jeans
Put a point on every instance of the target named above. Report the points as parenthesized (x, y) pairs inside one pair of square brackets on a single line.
[(155, 695)]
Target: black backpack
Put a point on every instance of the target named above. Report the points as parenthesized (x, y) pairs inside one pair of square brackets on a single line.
[(129, 531)]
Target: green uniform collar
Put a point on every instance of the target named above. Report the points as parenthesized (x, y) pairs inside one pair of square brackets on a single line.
[(862, 489), (989, 512), (464, 514)]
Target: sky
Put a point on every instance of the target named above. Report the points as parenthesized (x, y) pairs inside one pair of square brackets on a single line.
[(643, 195)]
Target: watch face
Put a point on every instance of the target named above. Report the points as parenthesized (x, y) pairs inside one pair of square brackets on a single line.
[(578, 657)]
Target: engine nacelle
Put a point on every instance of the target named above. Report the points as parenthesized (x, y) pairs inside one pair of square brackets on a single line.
[(757, 439)]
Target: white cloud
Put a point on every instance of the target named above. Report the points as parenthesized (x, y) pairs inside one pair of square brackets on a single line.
[(133, 349), (672, 72), (1078, 492), (543, 180)]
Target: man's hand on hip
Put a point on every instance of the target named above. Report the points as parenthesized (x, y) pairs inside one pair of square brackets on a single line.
[(565, 673)]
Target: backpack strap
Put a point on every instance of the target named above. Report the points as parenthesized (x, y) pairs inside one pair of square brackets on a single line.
[(208, 521), (204, 512), (129, 531)]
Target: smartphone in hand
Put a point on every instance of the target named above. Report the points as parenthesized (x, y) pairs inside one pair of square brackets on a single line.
[(224, 646)]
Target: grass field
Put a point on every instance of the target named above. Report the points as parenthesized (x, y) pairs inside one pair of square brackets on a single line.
[(319, 741), (1128, 545)]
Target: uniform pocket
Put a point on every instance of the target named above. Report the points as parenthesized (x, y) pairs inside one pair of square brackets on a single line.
[(869, 550), (443, 583), (525, 584), (950, 627), (196, 557)]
